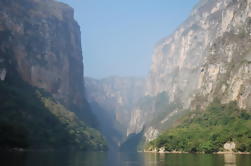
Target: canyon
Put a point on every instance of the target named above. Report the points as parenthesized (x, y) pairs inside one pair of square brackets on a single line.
[(206, 58), (42, 82)]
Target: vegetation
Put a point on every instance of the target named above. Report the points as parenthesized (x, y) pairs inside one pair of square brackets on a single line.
[(207, 131), (158, 107), (32, 119)]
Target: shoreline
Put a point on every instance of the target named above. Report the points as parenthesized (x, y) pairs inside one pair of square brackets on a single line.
[(178, 152), (232, 153)]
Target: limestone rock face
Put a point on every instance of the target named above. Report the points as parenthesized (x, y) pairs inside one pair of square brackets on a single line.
[(202, 51), (151, 134), (43, 41), (207, 57)]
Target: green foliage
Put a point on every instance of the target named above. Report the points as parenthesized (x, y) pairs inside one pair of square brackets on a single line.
[(31, 119), (84, 137), (207, 131), (157, 108)]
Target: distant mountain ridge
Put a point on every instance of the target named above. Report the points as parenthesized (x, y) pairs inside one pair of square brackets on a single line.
[(116, 96)]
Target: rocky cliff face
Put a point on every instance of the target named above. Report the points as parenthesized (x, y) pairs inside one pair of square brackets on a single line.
[(117, 97), (40, 45), (207, 57), (45, 45), (215, 36), (225, 72)]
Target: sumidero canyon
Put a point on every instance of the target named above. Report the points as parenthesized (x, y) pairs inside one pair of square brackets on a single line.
[(125, 83)]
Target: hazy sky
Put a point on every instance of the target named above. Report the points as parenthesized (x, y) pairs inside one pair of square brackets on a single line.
[(118, 36)]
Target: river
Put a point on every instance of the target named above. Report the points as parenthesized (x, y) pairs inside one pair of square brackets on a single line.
[(120, 159)]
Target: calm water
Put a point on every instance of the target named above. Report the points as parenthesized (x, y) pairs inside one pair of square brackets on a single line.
[(120, 159)]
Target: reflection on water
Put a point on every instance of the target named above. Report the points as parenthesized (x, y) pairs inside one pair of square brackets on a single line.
[(230, 159), (120, 159)]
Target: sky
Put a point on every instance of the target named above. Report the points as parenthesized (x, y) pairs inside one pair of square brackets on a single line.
[(119, 36)]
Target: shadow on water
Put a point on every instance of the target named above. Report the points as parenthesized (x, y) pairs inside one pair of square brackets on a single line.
[(120, 159), (53, 159)]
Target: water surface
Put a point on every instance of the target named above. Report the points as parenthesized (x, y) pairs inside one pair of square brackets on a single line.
[(120, 159)]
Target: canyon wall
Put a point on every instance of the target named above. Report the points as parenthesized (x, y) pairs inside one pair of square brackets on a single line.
[(40, 45), (207, 57), (44, 40)]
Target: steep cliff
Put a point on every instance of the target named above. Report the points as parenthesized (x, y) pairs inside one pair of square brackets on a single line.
[(207, 57), (203, 50), (112, 100), (40, 52)]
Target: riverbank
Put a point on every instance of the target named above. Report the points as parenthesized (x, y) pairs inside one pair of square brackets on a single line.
[(173, 152), (179, 152), (232, 153)]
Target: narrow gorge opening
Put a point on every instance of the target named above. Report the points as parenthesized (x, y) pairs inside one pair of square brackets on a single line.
[(118, 87)]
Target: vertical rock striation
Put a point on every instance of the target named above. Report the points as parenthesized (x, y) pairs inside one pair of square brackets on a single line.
[(198, 53)]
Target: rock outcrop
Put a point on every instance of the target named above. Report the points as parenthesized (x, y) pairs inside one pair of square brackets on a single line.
[(229, 146)]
